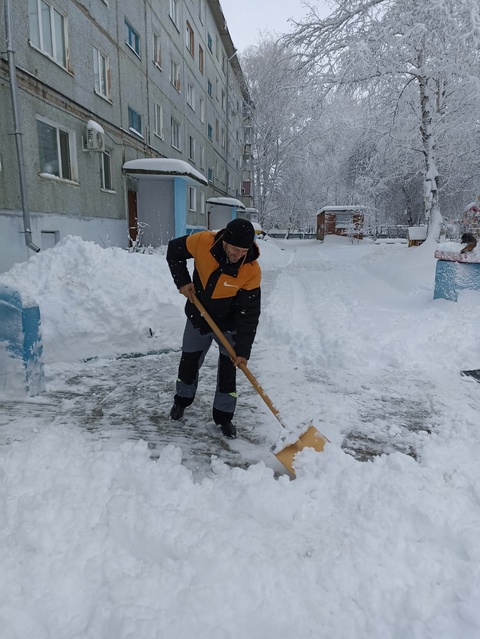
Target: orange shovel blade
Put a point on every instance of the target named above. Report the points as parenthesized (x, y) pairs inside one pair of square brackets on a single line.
[(311, 438)]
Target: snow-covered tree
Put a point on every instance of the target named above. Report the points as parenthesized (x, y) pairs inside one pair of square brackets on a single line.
[(285, 110), (428, 49)]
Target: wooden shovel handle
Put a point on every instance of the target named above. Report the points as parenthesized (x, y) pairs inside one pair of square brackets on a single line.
[(231, 351)]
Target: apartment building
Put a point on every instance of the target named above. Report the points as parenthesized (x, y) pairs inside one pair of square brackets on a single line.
[(132, 117)]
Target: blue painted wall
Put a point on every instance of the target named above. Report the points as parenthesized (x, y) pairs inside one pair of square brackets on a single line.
[(21, 338)]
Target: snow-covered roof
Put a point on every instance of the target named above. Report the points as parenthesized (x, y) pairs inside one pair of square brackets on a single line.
[(226, 201), (163, 166), (341, 208)]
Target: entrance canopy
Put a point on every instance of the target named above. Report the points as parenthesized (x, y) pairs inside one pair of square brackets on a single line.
[(163, 167), (226, 201)]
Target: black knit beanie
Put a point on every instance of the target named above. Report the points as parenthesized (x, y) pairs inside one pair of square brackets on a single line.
[(239, 233)]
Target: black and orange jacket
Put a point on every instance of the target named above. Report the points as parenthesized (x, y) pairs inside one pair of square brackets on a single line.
[(229, 292)]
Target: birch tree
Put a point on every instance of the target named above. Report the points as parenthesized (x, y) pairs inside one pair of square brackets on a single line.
[(369, 47)]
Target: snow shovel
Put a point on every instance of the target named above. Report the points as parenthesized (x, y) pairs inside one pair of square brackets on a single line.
[(311, 438)]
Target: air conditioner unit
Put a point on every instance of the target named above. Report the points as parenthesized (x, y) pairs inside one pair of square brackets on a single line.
[(95, 137)]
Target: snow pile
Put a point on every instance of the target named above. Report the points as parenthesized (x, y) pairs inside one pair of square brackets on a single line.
[(99, 540)]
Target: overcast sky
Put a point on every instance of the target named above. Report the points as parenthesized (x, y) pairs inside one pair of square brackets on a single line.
[(247, 19)]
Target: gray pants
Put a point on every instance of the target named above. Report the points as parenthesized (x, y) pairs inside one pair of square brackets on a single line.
[(194, 349)]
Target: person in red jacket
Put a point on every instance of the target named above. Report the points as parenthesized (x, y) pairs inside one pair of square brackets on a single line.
[(226, 280)]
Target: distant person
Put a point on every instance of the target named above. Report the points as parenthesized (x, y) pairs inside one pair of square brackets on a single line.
[(226, 280)]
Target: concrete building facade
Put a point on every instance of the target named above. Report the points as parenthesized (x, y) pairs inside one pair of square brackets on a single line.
[(101, 83)]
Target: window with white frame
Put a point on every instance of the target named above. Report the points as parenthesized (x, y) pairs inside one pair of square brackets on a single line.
[(132, 38), (175, 74), (57, 152), (191, 95), (48, 30), (222, 137), (176, 141), (192, 198), (223, 100), (106, 171), (210, 174), (158, 121), (209, 88), (134, 121), (201, 105), (175, 12), (210, 132), (201, 59), (101, 69), (201, 208), (191, 148), (157, 50), (202, 156)]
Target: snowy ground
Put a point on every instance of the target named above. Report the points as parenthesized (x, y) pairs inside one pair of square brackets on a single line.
[(117, 523)]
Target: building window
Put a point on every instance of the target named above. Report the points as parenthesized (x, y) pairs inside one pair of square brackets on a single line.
[(158, 130), (191, 148), (223, 99), (192, 198), (175, 75), (209, 88), (210, 132), (190, 39), (101, 69), (202, 156), (201, 59), (201, 104), (132, 38), (201, 10), (56, 147), (210, 174), (106, 171), (217, 130), (222, 137), (48, 31), (191, 96), (202, 203), (209, 43), (216, 88), (176, 134), (157, 50), (175, 12), (217, 48), (134, 121)]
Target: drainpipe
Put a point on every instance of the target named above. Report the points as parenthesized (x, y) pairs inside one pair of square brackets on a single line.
[(18, 135)]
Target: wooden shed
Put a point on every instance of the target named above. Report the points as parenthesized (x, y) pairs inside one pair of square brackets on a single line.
[(346, 221)]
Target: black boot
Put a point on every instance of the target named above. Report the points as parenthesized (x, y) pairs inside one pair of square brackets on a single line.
[(176, 412), (228, 429)]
